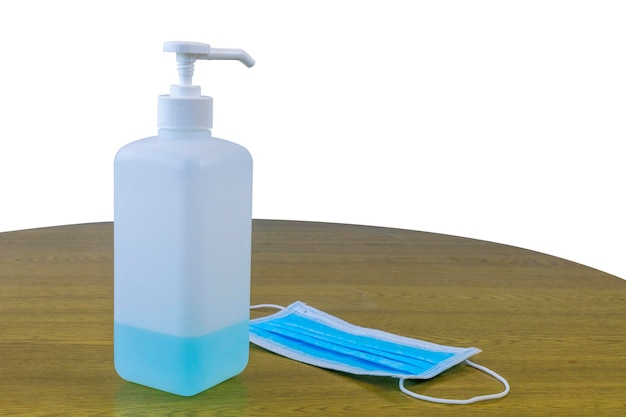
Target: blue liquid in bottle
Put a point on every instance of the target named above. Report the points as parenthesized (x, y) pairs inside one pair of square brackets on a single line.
[(180, 365)]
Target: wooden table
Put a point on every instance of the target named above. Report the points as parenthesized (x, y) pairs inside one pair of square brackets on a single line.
[(555, 329)]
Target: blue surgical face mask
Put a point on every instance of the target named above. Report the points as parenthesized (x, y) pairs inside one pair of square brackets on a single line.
[(311, 336)]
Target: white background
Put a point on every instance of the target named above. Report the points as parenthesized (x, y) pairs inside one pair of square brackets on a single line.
[(497, 120)]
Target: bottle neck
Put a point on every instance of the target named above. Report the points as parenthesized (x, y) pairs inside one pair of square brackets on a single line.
[(182, 134)]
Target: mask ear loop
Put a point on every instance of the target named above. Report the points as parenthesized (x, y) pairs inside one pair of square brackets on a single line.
[(259, 306), (488, 371), (254, 307)]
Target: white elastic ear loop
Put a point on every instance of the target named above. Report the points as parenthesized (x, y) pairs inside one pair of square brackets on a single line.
[(267, 306), (488, 371)]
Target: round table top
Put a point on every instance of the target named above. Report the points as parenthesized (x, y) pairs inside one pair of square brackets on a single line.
[(556, 330)]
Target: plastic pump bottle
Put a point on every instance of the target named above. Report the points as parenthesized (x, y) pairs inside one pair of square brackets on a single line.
[(183, 217)]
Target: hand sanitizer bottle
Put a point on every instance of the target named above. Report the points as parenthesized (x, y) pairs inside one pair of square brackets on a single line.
[(183, 217)]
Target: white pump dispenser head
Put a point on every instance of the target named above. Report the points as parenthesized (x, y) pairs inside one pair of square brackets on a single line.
[(185, 108)]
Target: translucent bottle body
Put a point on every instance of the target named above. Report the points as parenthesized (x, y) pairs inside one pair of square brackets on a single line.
[(183, 217)]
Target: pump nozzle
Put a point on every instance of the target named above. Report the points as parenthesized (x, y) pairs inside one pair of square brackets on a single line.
[(188, 52), (184, 107), (204, 51)]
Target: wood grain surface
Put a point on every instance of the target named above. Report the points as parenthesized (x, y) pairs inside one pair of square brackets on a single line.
[(555, 329)]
